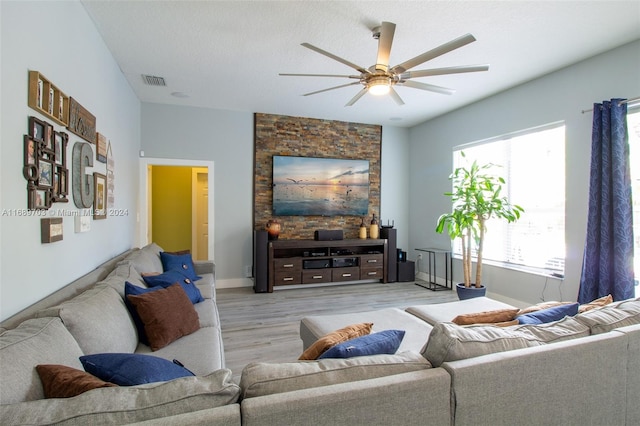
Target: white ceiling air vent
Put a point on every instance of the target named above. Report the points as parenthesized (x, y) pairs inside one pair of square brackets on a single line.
[(152, 80)]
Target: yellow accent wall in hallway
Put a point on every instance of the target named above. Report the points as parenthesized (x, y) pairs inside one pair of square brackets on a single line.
[(171, 207)]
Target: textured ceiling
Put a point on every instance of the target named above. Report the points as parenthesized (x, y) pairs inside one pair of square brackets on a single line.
[(227, 54)]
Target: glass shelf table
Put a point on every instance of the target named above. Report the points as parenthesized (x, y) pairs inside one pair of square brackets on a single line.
[(432, 284)]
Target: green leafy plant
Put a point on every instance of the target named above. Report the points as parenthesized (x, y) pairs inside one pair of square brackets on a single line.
[(476, 198)]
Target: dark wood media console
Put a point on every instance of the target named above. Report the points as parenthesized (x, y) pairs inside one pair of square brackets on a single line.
[(295, 262)]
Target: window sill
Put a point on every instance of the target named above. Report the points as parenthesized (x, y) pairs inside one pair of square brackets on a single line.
[(554, 273)]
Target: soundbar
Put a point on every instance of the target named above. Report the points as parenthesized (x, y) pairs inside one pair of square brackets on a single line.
[(328, 235)]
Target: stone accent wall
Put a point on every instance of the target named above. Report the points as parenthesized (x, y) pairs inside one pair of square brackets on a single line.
[(308, 137)]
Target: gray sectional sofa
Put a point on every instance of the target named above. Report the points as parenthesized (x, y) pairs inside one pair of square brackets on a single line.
[(579, 370)]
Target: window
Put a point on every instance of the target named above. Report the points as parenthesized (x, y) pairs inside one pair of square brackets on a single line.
[(633, 126), (533, 164)]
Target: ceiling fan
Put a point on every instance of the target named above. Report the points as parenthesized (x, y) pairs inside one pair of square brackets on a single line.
[(380, 78)]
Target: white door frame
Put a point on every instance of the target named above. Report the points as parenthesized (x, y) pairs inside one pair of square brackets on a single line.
[(143, 208)]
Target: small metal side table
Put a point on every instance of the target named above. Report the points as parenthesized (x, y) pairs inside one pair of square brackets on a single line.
[(431, 262)]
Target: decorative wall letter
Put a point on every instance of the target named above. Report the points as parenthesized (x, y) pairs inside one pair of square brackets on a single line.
[(82, 182)]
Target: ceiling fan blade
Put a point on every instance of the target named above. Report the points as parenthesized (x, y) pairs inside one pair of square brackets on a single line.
[(434, 53), (319, 75), (442, 71), (428, 87), (335, 58), (395, 96), (331, 88), (356, 97), (387, 29)]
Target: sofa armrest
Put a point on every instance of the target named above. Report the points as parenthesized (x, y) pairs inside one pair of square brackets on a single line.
[(409, 398), (119, 405), (204, 267)]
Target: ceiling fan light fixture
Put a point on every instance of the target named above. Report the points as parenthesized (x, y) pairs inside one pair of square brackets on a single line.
[(379, 86)]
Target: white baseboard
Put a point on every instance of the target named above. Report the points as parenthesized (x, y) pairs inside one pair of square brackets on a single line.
[(234, 283)]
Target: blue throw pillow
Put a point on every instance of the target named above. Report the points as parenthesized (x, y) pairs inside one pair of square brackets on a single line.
[(383, 342), (171, 277), (179, 262), (554, 313), (132, 369)]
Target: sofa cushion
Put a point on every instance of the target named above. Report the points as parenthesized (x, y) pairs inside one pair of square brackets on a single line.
[(338, 336), (35, 341), (445, 312), (451, 342), (60, 381), (611, 316), (98, 319), (179, 262), (167, 315), (152, 252), (120, 405), (175, 276), (201, 352), (144, 261), (132, 369), (486, 317), (124, 271), (383, 342), (260, 379), (548, 315)]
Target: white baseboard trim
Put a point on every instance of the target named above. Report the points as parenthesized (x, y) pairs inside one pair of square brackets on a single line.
[(234, 283)]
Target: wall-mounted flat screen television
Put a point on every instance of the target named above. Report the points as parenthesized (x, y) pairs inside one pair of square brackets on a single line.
[(305, 186)]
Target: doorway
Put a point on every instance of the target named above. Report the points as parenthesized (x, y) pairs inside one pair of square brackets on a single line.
[(176, 205)]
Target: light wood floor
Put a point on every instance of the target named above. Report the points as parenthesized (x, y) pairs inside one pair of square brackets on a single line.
[(265, 327)]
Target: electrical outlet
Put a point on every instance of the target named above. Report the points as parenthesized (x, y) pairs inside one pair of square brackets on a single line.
[(248, 271)]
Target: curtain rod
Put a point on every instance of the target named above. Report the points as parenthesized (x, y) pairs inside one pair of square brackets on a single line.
[(620, 103)]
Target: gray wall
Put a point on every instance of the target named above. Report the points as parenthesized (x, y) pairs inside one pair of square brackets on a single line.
[(226, 138), (59, 40), (559, 96)]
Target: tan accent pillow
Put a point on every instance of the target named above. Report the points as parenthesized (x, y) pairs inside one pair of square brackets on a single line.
[(61, 381), (328, 341), (167, 315), (595, 304), (506, 323), (540, 306), (486, 317)]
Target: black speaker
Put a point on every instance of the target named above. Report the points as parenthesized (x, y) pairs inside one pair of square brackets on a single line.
[(260, 261), (406, 271), (391, 235), (328, 234)]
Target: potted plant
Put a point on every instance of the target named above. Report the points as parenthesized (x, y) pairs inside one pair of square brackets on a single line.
[(476, 198)]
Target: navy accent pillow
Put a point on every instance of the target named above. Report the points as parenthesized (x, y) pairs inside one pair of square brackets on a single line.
[(179, 262), (383, 342), (554, 313), (132, 369), (171, 277)]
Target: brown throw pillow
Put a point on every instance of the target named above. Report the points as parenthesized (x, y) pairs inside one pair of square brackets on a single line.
[(595, 303), (167, 315), (179, 252), (540, 306), (328, 341), (60, 381), (486, 317)]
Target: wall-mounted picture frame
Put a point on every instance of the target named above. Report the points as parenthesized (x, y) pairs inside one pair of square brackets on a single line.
[(60, 141), (45, 173), (30, 167), (99, 196), (51, 230), (38, 198), (37, 128)]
